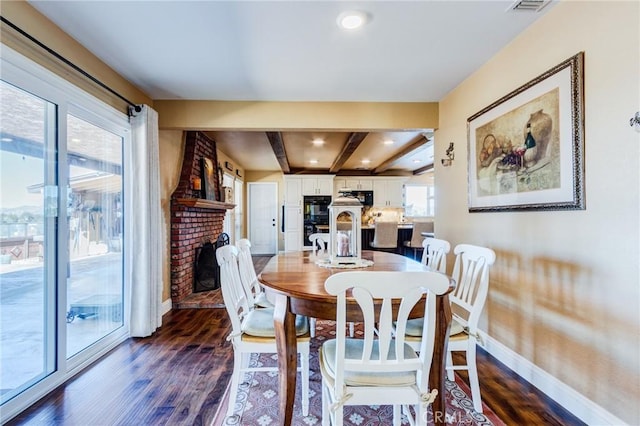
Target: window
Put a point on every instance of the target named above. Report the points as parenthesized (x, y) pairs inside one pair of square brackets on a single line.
[(62, 212), (419, 200)]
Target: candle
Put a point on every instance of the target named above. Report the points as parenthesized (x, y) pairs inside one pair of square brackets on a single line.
[(197, 184)]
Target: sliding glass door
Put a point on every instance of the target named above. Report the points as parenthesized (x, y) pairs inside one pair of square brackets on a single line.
[(62, 231), (28, 210), (94, 216)]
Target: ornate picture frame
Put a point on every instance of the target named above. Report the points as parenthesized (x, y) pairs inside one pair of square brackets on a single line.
[(526, 150)]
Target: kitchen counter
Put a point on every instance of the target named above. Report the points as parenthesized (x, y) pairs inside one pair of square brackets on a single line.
[(403, 225), (404, 234)]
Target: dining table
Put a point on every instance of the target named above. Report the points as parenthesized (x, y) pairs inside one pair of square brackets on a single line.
[(294, 282)]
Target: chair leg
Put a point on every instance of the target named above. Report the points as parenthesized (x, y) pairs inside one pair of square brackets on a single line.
[(235, 381), (450, 374), (351, 329), (397, 417), (312, 327), (474, 383), (304, 366), (326, 420)]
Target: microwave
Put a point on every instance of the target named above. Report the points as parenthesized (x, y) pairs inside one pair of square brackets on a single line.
[(365, 197)]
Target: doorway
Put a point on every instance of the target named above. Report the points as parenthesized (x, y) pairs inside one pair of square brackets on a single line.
[(263, 213)]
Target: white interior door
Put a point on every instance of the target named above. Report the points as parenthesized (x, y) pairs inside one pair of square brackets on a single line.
[(263, 217)]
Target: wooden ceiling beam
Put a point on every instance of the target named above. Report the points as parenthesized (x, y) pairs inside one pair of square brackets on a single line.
[(277, 144), (422, 170), (407, 150), (354, 140)]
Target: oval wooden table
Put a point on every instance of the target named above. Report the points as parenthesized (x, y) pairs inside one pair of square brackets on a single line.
[(295, 284)]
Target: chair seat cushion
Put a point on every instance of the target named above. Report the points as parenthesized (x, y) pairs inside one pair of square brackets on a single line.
[(259, 322), (353, 349), (414, 327), (262, 302)]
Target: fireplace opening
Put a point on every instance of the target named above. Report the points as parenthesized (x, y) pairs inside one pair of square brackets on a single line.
[(206, 270)]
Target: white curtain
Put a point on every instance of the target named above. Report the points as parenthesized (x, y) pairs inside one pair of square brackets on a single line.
[(145, 230)]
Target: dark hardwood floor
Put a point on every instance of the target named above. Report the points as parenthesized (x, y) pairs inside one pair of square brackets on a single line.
[(179, 376)]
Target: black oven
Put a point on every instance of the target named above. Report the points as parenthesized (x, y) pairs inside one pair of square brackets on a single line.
[(315, 212), (365, 197)]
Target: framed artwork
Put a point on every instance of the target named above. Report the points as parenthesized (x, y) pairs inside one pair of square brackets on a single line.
[(526, 150), (209, 176)]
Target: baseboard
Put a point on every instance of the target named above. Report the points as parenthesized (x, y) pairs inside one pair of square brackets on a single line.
[(570, 399), (166, 306)]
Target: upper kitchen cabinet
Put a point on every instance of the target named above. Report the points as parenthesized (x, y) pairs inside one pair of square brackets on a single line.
[(292, 191), (352, 184), (388, 192), (317, 185)]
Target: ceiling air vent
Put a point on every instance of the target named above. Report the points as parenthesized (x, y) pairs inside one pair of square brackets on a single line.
[(528, 5)]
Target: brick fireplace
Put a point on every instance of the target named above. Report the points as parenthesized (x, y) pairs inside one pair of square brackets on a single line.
[(194, 219)]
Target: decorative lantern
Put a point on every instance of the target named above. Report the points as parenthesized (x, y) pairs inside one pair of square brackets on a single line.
[(345, 236)]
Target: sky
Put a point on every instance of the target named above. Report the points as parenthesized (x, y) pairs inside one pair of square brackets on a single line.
[(17, 172)]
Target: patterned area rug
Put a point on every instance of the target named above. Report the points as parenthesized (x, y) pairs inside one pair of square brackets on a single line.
[(257, 401)]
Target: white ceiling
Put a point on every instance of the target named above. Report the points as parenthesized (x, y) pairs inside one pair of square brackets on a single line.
[(410, 51)]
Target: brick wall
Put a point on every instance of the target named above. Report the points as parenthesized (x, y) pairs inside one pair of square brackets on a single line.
[(191, 226)]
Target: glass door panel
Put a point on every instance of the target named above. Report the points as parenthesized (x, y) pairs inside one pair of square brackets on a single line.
[(94, 210), (28, 209)]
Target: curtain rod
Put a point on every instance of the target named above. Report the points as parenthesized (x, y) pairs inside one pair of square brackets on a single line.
[(133, 106)]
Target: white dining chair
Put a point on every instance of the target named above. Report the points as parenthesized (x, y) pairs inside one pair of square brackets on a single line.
[(319, 244), (471, 274), (434, 254), (255, 293), (252, 330), (380, 369)]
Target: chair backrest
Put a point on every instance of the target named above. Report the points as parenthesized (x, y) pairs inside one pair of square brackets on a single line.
[(385, 235), (418, 229), (471, 274), (319, 242), (233, 293), (387, 352), (435, 253), (247, 271)]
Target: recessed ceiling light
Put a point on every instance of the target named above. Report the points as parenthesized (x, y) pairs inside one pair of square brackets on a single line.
[(365, 161), (313, 161), (318, 142), (417, 161), (351, 19), (388, 142)]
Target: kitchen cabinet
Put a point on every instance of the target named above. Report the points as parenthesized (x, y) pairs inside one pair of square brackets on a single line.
[(292, 228), (388, 192), (317, 185), (353, 184), (292, 191), (295, 189)]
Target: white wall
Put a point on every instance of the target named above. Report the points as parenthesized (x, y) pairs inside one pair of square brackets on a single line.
[(564, 295)]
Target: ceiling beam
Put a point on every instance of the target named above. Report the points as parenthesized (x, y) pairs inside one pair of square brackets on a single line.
[(407, 150), (277, 144), (353, 142), (422, 170)]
